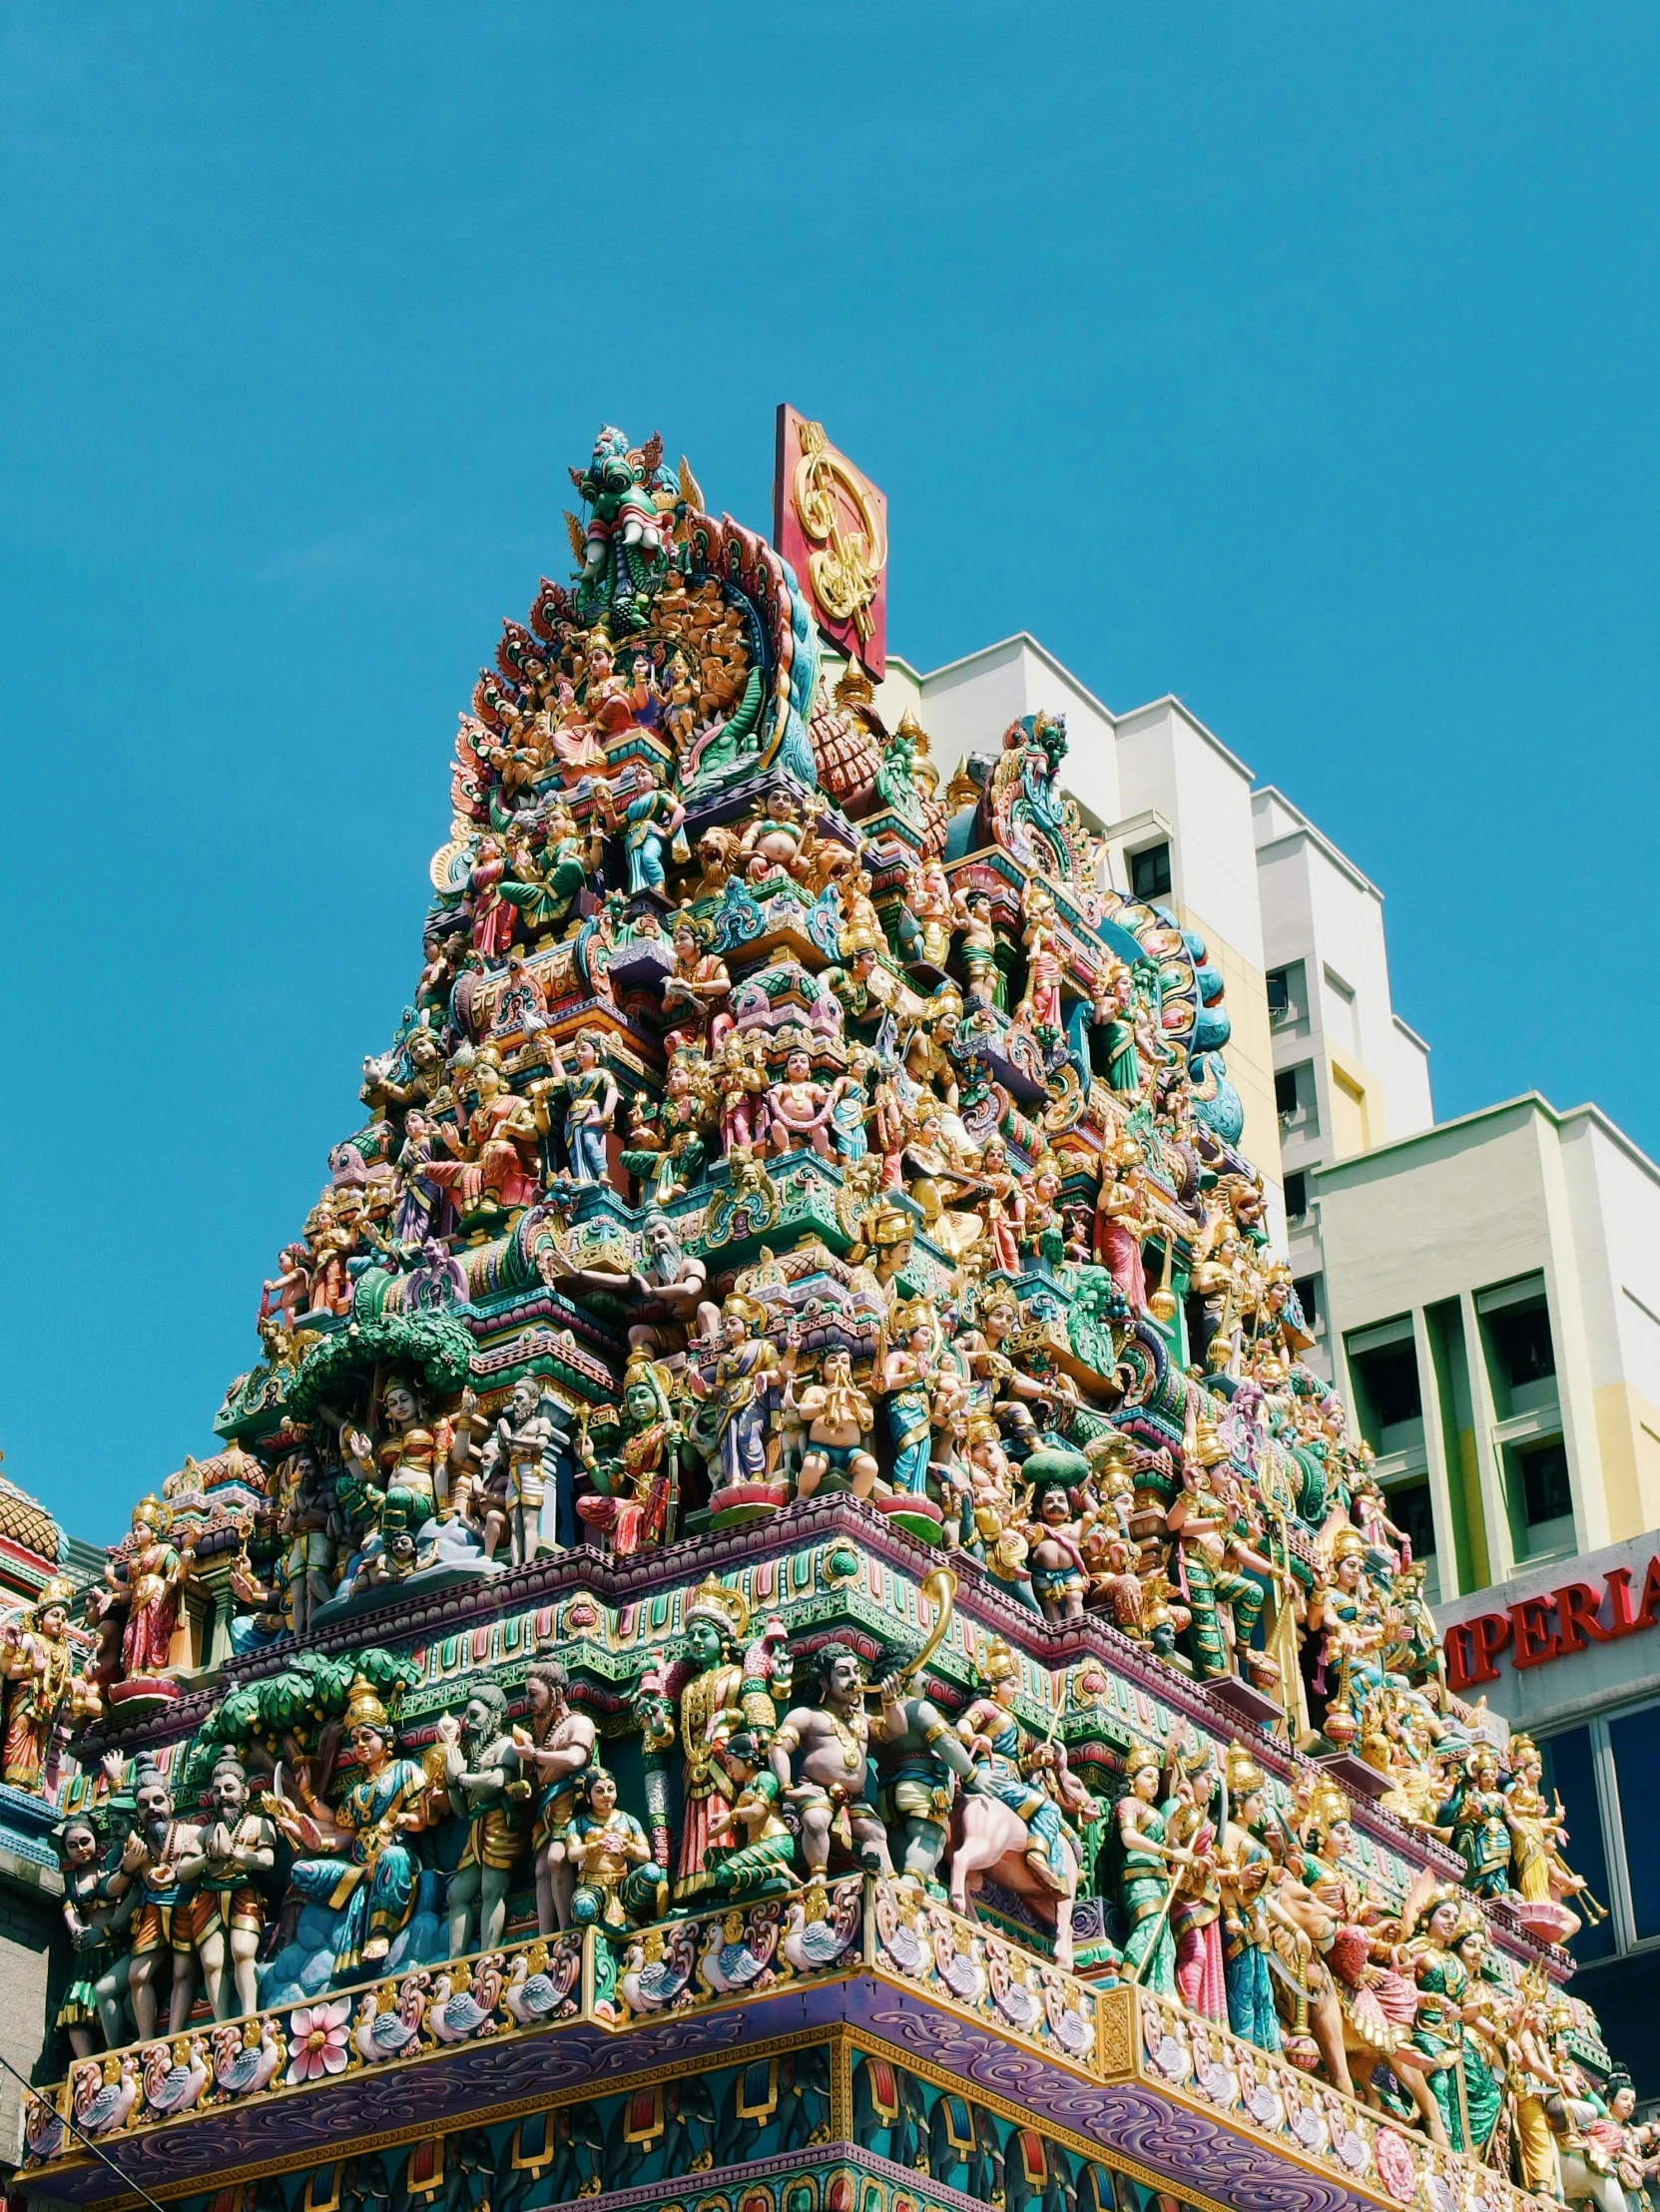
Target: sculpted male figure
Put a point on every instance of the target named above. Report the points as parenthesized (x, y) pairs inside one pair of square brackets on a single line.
[(480, 1760), (232, 1851), (832, 1742), (558, 1744), (154, 1858)]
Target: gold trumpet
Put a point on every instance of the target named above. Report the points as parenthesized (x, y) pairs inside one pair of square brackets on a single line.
[(940, 1583)]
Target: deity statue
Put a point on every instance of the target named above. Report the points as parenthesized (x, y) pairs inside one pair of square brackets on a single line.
[(905, 1376), (149, 1593), (711, 1710), (590, 1092), (734, 1399), (696, 989), (558, 1745), (1245, 1870), (494, 1165), (513, 1472), (839, 1419), (755, 1863), (617, 1880), (153, 1862), (92, 1915), (358, 1858), (38, 1669), (234, 1851), (480, 1770), (635, 1491), (820, 1758), (799, 1109), (649, 821)]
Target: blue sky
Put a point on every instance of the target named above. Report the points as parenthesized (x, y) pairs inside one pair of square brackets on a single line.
[(1298, 359)]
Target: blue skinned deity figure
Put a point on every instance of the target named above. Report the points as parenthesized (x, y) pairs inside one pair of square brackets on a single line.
[(904, 1381), (735, 1402)]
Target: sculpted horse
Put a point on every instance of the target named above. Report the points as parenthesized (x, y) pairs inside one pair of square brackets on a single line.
[(987, 1837), (1373, 2037)]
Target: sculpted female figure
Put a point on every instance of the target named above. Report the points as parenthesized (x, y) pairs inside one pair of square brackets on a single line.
[(38, 1669), (495, 1163), (154, 1582), (358, 1856)]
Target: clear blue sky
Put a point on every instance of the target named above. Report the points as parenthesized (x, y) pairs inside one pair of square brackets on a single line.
[(1298, 359)]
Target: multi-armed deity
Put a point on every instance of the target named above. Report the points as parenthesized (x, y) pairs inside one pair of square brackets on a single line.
[(789, 1381)]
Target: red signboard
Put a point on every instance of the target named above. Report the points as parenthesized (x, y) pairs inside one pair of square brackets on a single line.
[(831, 524), (1553, 1625)]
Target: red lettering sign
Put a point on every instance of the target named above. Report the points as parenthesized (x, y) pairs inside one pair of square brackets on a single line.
[(1578, 1611), (1473, 1646), (1535, 1640)]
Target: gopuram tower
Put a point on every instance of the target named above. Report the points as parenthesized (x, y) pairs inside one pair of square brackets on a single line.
[(779, 1626)]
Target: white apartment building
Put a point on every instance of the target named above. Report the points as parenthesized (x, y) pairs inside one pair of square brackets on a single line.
[(1348, 1071)]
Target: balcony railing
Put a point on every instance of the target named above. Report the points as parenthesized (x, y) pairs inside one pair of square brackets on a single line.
[(885, 1935)]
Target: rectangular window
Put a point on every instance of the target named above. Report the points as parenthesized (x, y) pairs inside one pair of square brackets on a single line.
[(1547, 1495), (1149, 871), (1279, 993), (1570, 1773), (1285, 1092), (1636, 1741), (1306, 1288), (1412, 1512), (1297, 1194), (1521, 1338), (1389, 1384)]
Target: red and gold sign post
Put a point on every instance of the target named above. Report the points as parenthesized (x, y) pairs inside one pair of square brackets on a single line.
[(831, 524)]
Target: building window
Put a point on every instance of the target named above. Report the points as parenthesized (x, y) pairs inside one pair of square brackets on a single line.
[(1149, 871), (1547, 1495), (1279, 993), (1306, 1288), (1389, 1384), (1297, 1194), (1411, 1510), (1284, 1093), (1521, 1338), (1569, 1762)]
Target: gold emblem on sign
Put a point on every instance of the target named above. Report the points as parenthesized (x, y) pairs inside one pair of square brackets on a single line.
[(841, 520)]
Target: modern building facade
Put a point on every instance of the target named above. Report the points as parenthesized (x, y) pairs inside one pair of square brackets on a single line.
[(1349, 1073), (1500, 1333), (1571, 1654)]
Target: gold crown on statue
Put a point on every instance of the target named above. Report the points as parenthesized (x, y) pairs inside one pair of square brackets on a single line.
[(364, 1708), (1242, 1772), (712, 1601), (996, 1663)]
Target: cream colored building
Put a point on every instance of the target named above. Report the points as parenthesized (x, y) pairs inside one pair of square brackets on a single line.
[(1348, 1071), (1496, 1287), (1173, 807)]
